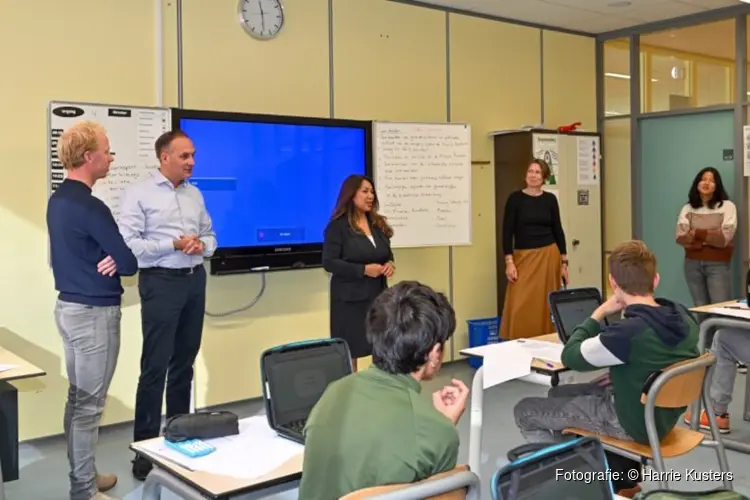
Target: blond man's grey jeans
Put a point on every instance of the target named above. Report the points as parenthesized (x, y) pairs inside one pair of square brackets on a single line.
[(91, 340)]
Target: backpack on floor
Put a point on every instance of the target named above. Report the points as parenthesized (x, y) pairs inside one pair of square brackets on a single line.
[(720, 494), (573, 469)]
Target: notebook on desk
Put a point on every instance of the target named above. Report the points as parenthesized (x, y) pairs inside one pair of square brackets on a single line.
[(294, 377), (572, 307)]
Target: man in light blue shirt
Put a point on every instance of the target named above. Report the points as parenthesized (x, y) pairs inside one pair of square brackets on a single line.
[(165, 223)]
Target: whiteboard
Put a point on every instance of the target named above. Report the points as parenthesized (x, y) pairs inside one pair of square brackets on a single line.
[(423, 182), (132, 132)]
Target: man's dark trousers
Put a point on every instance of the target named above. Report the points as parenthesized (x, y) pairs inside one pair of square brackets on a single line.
[(173, 303)]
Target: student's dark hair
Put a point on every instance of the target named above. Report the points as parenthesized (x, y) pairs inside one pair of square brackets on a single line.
[(165, 139), (405, 323), (720, 194)]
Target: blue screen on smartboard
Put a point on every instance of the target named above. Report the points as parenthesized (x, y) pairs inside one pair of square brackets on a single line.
[(271, 184)]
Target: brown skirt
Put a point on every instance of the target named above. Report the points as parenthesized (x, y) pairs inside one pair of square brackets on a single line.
[(526, 311)]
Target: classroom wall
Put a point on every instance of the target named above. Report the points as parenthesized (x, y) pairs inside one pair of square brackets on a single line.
[(390, 62)]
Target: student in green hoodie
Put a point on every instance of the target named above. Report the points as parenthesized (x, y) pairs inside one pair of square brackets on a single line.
[(653, 334)]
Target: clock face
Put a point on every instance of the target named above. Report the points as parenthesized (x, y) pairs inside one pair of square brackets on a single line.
[(261, 19)]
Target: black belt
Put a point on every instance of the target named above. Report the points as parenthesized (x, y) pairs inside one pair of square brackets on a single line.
[(182, 271)]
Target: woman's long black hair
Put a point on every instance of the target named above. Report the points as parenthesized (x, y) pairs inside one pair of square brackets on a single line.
[(720, 194)]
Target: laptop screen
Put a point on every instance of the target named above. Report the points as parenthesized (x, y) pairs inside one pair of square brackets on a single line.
[(297, 379), (572, 313)]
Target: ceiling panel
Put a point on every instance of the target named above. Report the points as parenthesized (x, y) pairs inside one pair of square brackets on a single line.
[(591, 16)]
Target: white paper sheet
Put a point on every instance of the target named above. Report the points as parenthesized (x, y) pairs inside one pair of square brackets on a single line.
[(506, 361), (254, 452), (738, 311), (5, 368), (545, 351)]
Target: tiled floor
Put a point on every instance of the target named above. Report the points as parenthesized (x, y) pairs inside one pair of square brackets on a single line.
[(44, 464)]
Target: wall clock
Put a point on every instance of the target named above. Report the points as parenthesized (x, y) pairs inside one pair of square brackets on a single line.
[(261, 19)]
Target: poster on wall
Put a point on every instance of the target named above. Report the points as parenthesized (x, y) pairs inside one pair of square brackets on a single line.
[(588, 161), (547, 148), (746, 150)]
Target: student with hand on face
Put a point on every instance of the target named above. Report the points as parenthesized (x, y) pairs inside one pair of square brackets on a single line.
[(374, 428), (357, 253), (654, 334)]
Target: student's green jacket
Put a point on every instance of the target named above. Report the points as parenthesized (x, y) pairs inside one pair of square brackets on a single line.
[(646, 341), (373, 428)]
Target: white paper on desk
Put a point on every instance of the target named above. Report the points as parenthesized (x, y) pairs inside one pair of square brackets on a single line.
[(546, 351), (5, 368), (506, 361), (735, 311), (254, 452)]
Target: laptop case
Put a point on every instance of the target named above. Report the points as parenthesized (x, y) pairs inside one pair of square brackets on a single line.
[(572, 470), (294, 377)]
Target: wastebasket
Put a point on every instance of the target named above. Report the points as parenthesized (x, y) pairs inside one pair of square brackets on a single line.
[(482, 332)]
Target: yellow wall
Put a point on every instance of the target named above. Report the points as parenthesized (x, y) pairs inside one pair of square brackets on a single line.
[(389, 63)]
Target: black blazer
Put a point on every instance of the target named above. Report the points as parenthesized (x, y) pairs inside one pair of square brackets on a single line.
[(345, 255)]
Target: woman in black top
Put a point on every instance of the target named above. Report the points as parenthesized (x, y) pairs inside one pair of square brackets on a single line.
[(536, 261), (357, 252)]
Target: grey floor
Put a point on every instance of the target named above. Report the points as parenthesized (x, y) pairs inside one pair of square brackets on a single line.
[(44, 464)]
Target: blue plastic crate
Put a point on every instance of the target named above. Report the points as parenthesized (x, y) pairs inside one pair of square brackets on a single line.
[(483, 332)]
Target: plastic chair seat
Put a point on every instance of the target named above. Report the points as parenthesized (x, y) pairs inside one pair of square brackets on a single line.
[(678, 442)]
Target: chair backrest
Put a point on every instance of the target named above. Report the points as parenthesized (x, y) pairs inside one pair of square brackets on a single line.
[(459, 494), (679, 384)]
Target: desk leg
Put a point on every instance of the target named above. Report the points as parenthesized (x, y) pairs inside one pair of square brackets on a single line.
[(158, 479), (475, 425), (746, 412), (9, 431)]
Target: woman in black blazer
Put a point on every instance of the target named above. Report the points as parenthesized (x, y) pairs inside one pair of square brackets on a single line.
[(357, 252)]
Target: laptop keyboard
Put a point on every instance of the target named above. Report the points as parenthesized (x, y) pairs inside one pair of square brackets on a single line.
[(297, 425)]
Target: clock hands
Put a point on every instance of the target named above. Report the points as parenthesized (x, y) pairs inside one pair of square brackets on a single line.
[(262, 16)]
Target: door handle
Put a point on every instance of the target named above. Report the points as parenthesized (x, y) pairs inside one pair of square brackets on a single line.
[(576, 243)]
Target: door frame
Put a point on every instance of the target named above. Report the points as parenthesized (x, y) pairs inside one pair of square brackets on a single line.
[(726, 112), (739, 107)]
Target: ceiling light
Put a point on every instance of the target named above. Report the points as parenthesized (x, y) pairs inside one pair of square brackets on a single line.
[(622, 76)]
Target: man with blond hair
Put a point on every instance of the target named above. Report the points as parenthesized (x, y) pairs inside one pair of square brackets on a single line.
[(88, 256), (653, 334)]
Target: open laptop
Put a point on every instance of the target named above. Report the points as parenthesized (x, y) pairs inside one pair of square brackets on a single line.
[(572, 307), (294, 377)]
